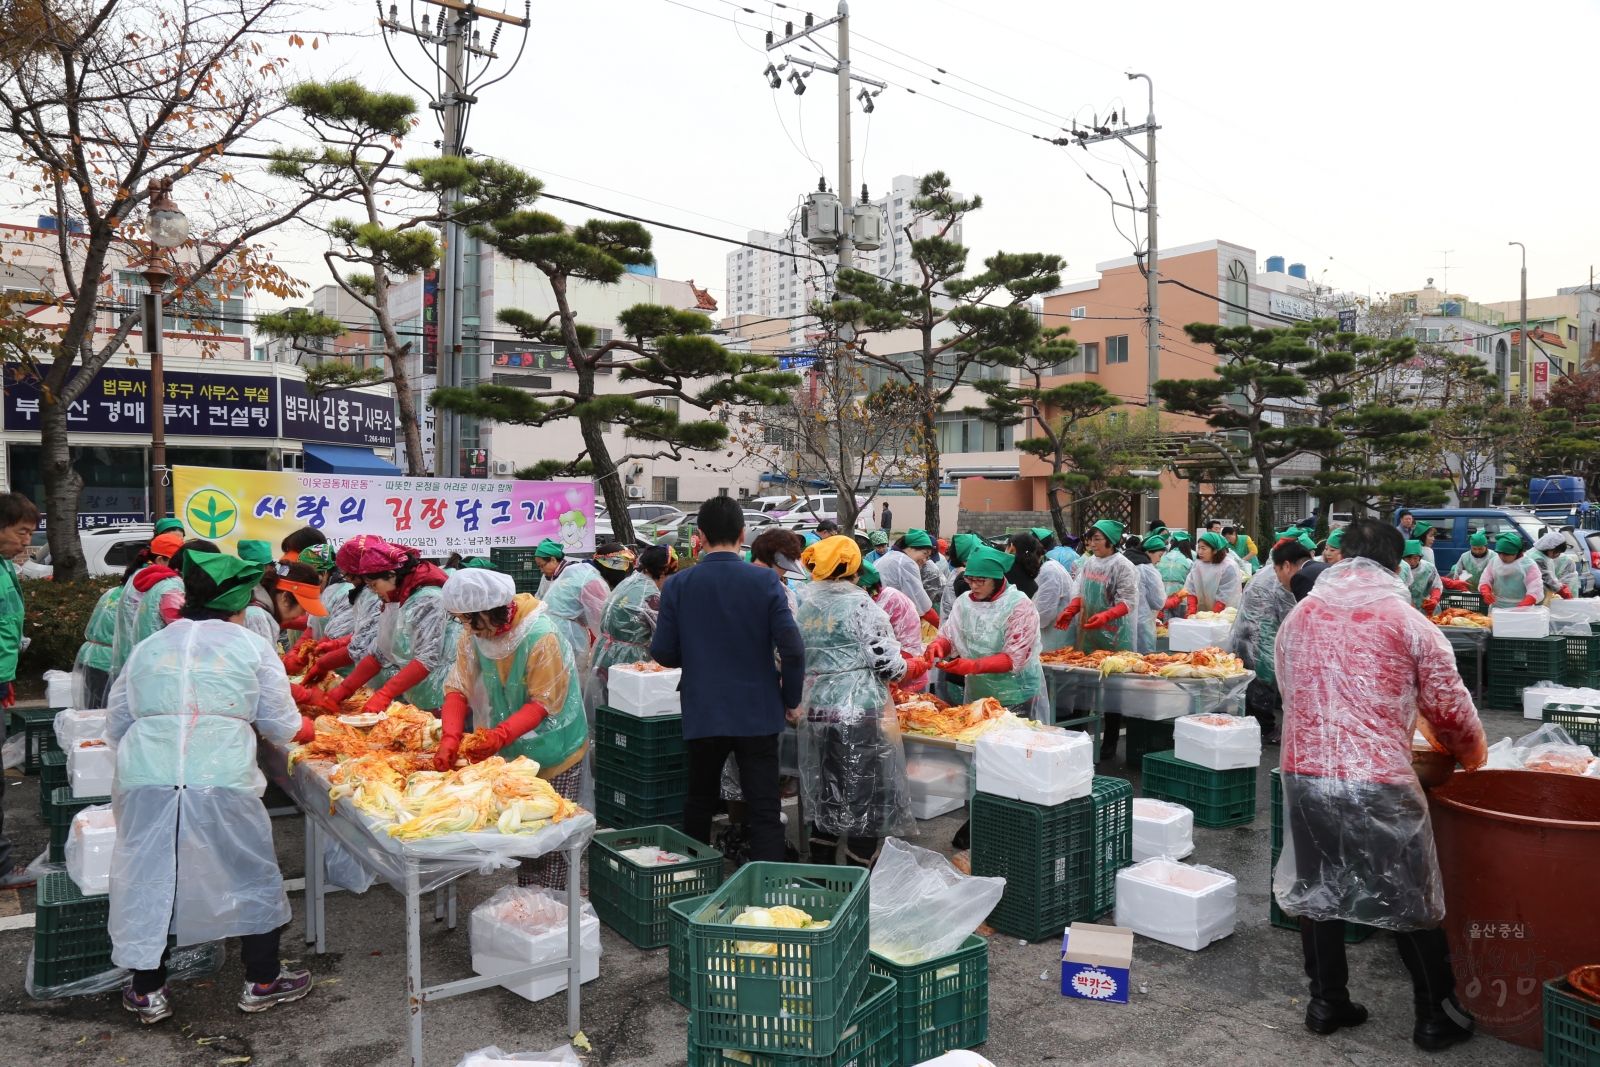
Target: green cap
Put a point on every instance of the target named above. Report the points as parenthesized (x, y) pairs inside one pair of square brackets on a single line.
[(1413, 548), (318, 557), (549, 549), (878, 537), (1112, 529), (255, 552), (1155, 543), (166, 525), (1181, 535), (918, 539), (234, 577), (1508, 542), (1215, 540), (867, 575), (1043, 533), (479, 563), (986, 562), (1305, 539), (1479, 539), (1419, 527), (1336, 538), (962, 544)]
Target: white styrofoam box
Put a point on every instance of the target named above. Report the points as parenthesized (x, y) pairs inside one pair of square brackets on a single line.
[(1161, 828), (1571, 616), (1218, 742), (90, 768), (1535, 697), (520, 927), (1175, 903), (1046, 766), (57, 689), (73, 726), (89, 845), (933, 807), (937, 772), (1191, 635), (1524, 622), (643, 693)]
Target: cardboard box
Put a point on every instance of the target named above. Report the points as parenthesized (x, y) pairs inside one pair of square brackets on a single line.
[(1095, 961)]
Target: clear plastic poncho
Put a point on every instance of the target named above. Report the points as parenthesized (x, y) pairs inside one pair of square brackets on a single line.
[(122, 641), (1152, 597), (1174, 568), (577, 600), (194, 847), (1470, 568), (625, 629), (1512, 582), (91, 671), (1008, 623), (1356, 666), (367, 613), (1214, 583), (340, 621), (259, 619), (933, 580), (144, 619), (1254, 636), (907, 626), (1103, 584), (1056, 589), (900, 571), (1555, 570), (852, 767), (424, 631)]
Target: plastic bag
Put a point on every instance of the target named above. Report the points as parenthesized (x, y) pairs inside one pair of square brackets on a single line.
[(1501, 757), (191, 961), (15, 750), (57, 689), (89, 843), (344, 870), (564, 1056), (1551, 748), (921, 906)]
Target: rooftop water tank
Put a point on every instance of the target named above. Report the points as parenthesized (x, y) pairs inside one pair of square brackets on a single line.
[(1297, 270), (1274, 264)]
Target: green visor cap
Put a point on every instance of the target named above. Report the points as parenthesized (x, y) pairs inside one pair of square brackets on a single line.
[(549, 549), (234, 577), (1508, 542), (986, 562), (918, 539)]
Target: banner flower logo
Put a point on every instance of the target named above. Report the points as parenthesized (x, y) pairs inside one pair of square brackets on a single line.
[(211, 513)]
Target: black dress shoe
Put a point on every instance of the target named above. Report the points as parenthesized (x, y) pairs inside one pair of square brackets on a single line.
[(1449, 1024), (1326, 1016)]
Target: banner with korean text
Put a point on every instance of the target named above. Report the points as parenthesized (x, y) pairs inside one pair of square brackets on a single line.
[(436, 516)]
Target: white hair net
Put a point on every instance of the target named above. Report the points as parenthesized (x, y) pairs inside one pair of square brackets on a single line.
[(1549, 541), (478, 589)]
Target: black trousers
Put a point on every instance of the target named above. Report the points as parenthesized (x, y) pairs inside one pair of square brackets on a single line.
[(858, 851), (1426, 954), (758, 778), (97, 686), (1262, 701), (258, 951), (1110, 734), (6, 862)]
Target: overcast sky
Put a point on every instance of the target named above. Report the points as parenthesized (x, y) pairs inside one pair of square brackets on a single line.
[(1362, 139)]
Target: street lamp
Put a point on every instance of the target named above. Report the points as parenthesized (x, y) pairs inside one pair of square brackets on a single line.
[(168, 227), (1522, 343)]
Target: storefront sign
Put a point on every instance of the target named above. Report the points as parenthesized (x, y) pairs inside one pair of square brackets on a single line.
[(339, 417), (438, 516), (197, 405), (1290, 307)]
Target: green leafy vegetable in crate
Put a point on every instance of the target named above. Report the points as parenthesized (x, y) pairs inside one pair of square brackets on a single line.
[(782, 917)]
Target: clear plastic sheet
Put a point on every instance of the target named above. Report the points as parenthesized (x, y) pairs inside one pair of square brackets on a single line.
[(900, 571), (90, 842), (1179, 904), (921, 906), (1255, 629), (344, 870), (1213, 583), (1152, 595), (185, 964), (625, 629), (1147, 696), (15, 750), (433, 861), (1356, 665), (1056, 590), (488, 1057), (1007, 624)]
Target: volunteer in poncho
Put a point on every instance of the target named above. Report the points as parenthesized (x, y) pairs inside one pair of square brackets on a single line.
[(416, 643), (1108, 601), (1422, 581), (961, 546), (1511, 581), (1152, 591), (515, 675), (852, 768), (1557, 570), (628, 619), (339, 653), (993, 631), (1174, 567), (1424, 533), (91, 671), (1360, 671), (334, 594), (574, 592), (907, 626), (1213, 583), (1262, 610), (155, 571), (1464, 576), (880, 544), (615, 563), (901, 568), (194, 853), (259, 616), (1062, 553), (1056, 590), (1333, 548)]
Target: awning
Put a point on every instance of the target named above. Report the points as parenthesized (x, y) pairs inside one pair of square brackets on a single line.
[(345, 459)]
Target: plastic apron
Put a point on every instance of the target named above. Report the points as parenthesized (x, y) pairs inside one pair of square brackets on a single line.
[(624, 634), (408, 643), (1214, 583), (564, 729), (1056, 591), (562, 599), (1255, 630), (852, 767), (979, 630), (1469, 568), (258, 620), (340, 619), (1147, 603), (1509, 582), (1095, 591), (147, 617), (1174, 570), (91, 671), (1420, 583), (193, 840)]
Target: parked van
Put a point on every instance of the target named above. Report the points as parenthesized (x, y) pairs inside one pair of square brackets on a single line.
[(1453, 526)]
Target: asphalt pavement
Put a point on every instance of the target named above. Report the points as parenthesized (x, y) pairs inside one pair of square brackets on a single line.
[(1239, 1002)]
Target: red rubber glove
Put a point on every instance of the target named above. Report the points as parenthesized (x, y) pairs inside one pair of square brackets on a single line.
[(1064, 620), (1219, 607), (1430, 605), (364, 672), (9, 699), (916, 667), (297, 623), (524, 721), (1194, 605), (998, 663), (308, 731), (931, 617), (1172, 601), (1455, 584), (1566, 594), (315, 698), (294, 660), (455, 724), (333, 644), (1106, 618), (937, 649), (339, 657), (411, 674), (1527, 602), (1488, 597)]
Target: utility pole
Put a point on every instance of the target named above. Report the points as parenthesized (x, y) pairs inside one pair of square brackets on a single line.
[(1522, 334)]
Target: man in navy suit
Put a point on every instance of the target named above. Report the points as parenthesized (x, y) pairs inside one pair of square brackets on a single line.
[(724, 621)]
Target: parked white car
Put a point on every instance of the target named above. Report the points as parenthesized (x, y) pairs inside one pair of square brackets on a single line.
[(107, 550)]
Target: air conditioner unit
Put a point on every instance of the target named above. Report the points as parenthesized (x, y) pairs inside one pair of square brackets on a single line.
[(501, 468), (635, 492)]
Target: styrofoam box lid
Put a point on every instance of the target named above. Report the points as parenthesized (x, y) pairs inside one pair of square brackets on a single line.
[(1217, 722), (1199, 624), (1035, 740), (1179, 877), (654, 672), (1157, 810)]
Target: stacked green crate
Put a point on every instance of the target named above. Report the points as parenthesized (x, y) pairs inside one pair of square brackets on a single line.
[(1581, 721), (678, 916), (1218, 798), (70, 939), (641, 769), (52, 776), (944, 1002), (633, 898), (1354, 933), (1047, 857), (1583, 661), (1571, 1027), (873, 1039), (1113, 837), (520, 564), (1146, 736), (1458, 599), (40, 726), (1514, 663)]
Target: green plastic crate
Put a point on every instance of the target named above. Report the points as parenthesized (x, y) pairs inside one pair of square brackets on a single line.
[(653, 745), (944, 1002), (618, 818), (1218, 798), (640, 801), (52, 776), (1145, 736), (1506, 695), (1275, 781), (70, 939), (798, 1001), (871, 1041), (1458, 599), (1113, 837), (1571, 1027), (1525, 660), (1047, 857), (519, 563), (63, 806), (633, 899), (1583, 660), (1581, 721), (678, 913), (40, 726)]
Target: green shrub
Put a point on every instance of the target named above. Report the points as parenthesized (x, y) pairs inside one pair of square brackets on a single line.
[(56, 618)]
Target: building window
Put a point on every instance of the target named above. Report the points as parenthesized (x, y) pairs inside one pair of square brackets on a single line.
[(1087, 361), (1117, 349), (1080, 312), (959, 433), (1238, 293), (1572, 333), (664, 489)]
